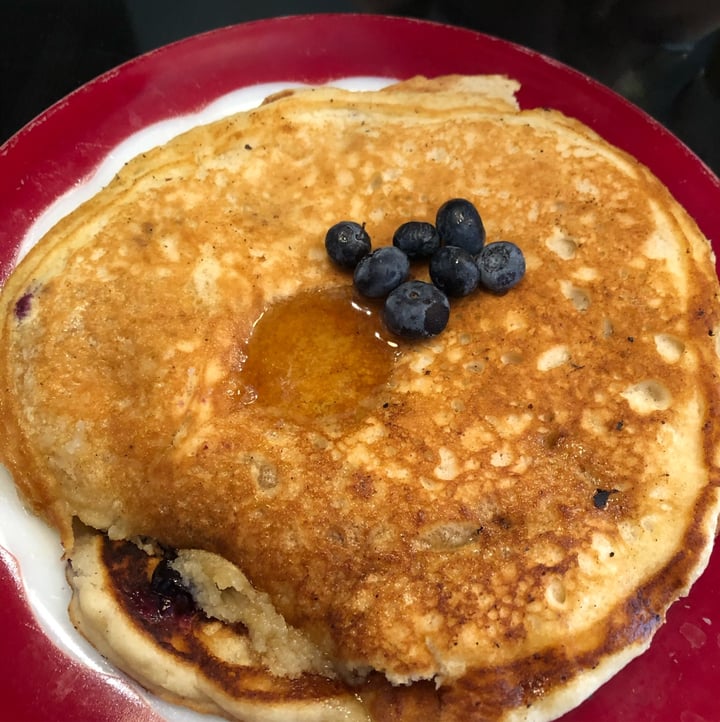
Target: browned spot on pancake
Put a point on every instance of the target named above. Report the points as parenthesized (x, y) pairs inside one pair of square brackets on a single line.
[(418, 703), (363, 486)]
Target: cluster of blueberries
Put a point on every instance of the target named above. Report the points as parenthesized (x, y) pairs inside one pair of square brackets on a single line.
[(459, 263)]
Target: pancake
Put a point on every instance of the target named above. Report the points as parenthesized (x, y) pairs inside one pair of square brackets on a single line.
[(243, 661), (486, 524)]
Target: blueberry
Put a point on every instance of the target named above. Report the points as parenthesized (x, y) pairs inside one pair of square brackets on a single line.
[(459, 224), (167, 584), (23, 306), (166, 581), (454, 271), (417, 239), (346, 243), (380, 272), (416, 309), (502, 266)]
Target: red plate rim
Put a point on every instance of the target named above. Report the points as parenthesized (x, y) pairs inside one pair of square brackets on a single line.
[(63, 145)]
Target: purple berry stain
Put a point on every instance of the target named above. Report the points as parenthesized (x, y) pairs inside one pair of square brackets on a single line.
[(22, 306)]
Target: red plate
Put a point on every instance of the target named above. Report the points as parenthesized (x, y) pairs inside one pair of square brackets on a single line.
[(675, 679)]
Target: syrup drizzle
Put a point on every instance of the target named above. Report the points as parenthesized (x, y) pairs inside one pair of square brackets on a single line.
[(317, 355)]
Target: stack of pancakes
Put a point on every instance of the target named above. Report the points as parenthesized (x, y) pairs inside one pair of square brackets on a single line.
[(485, 525)]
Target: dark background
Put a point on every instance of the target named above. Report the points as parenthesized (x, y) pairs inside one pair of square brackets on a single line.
[(664, 55)]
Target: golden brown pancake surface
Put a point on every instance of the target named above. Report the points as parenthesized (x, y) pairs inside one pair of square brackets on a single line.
[(499, 509)]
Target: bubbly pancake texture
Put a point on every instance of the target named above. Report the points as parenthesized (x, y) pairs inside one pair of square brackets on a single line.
[(501, 514)]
